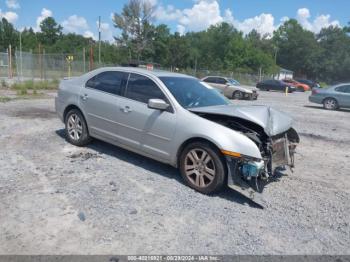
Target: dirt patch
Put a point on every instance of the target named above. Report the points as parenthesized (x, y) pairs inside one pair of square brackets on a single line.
[(33, 112)]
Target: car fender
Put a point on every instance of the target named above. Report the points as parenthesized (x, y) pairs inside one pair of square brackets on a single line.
[(68, 95), (193, 126), (240, 88)]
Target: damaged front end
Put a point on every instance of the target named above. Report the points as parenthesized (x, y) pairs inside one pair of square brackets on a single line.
[(250, 176), (271, 132)]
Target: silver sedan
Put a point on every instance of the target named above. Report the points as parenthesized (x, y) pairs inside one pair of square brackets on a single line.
[(333, 97), (179, 120)]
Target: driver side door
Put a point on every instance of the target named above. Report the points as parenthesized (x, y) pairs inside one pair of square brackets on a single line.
[(143, 128)]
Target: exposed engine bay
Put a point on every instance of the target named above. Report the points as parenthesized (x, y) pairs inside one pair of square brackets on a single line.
[(277, 151)]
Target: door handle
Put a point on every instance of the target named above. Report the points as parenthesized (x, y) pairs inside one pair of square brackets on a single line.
[(84, 97), (125, 109)]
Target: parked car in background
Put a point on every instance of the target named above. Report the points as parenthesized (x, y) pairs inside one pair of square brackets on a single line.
[(300, 86), (179, 120), (310, 83), (275, 85), (333, 97), (231, 88)]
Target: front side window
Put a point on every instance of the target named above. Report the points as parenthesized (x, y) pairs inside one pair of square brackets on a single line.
[(191, 93), (210, 80), (343, 89), (142, 89), (221, 81), (109, 82)]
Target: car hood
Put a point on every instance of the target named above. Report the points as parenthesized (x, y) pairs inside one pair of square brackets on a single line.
[(271, 120), (245, 88)]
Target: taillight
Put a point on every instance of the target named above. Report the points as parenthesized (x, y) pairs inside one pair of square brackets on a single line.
[(314, 91)]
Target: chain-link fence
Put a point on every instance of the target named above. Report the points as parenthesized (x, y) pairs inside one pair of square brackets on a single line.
[(53, 66), (4, 65), (26, 65)]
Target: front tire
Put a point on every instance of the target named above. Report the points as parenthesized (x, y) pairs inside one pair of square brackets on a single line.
[(76, 128), (203, 167), (330, 104), (237, 95)]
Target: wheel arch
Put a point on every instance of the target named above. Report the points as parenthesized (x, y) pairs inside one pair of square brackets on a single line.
[(330, 97), (69, 108), (193, 140)]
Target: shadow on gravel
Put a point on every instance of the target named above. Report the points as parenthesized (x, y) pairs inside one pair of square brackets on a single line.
[(320, 107), (157, 167)]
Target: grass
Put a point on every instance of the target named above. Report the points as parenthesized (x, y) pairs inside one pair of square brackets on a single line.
[(4, 99), (3, 84), (23, 87), (36, 85)]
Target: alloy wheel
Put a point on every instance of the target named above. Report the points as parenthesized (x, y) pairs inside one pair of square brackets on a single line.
[(330, 104), (75, 127), (199, 168)]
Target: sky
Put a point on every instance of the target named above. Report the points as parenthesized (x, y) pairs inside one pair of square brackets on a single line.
[(81, 16)]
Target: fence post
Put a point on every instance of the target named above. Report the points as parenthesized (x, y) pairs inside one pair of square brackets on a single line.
[(10, 62), (91, 58), (84, 59)]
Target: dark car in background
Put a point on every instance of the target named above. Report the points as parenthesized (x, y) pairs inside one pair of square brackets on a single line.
[(310, 83), (333, 97), (275, 85)]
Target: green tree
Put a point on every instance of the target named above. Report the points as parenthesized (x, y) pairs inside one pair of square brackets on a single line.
[(135, 24), (50, 31), (334, 59), (29, 39), (297, 48), (8, 35)]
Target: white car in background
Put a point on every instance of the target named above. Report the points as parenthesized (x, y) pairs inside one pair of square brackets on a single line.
[(231, 88)]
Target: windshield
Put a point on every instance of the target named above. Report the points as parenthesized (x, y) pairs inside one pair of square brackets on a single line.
[(234, 82), (190, 92)]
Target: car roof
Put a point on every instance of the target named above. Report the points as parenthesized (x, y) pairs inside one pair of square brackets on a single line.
[(155, 72), (216, 76)]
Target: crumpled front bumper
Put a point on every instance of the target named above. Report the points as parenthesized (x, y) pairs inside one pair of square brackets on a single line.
[(282, 155)]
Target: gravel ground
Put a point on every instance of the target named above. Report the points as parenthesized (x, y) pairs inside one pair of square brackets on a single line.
[(60, 199)]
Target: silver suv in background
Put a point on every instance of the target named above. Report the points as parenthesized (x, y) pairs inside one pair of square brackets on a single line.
[(232, 88)]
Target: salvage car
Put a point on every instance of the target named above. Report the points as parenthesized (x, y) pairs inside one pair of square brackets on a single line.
[(332, 98), (231, 88), (179, 120)]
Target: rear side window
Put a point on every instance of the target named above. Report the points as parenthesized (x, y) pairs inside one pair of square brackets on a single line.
[(141, 88), (109, 82)]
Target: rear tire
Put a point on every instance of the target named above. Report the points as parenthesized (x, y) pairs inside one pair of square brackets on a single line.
[(330, 104), (76, 128), (203, 168)]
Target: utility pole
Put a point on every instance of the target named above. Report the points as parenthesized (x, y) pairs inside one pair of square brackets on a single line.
[(99, 40)]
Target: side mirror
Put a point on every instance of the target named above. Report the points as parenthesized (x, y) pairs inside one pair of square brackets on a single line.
[(158, 104)]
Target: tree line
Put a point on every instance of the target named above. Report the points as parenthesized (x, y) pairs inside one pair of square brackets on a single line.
[(324, 56)]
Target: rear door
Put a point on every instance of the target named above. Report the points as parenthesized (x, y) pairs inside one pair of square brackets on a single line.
[(99, 100), (143, 128)]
